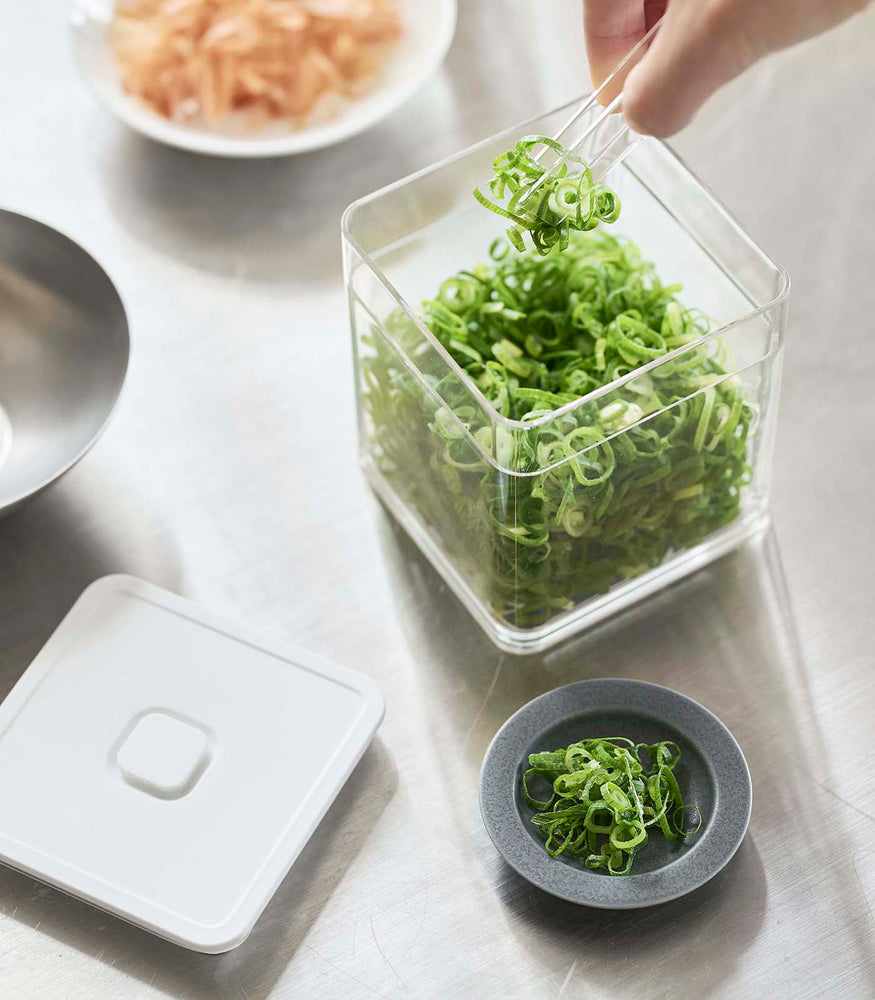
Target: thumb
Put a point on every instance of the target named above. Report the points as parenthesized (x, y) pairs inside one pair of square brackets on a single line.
[(701, 45)]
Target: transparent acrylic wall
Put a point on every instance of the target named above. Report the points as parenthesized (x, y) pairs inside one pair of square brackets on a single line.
[(525, 519)]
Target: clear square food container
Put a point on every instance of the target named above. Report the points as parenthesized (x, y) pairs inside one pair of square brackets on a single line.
[(547, 524)]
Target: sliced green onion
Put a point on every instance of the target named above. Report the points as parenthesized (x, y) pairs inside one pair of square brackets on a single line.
[(534, 334), (547, 200), (605, 798)]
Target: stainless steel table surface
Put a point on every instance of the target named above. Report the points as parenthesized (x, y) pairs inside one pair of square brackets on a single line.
[(229, 475)]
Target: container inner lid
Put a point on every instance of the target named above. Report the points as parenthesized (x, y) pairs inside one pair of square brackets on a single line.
[(169, 767)]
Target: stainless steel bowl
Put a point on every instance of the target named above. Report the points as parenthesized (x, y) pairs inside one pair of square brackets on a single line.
[(64, 350)]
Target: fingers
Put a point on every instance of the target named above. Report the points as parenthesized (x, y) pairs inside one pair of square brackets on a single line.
[(701, 45), (653, 11), (612, 27)]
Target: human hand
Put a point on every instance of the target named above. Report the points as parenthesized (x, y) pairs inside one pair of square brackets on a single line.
[(700, 45)]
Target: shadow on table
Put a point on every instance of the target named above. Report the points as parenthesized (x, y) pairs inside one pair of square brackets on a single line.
[(727, 637), (253, 969), (50, 550), (272, 220), (709, 635), (614, 946)]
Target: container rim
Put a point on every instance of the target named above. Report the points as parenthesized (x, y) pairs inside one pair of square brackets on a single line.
[(609, 435), (496, 418)]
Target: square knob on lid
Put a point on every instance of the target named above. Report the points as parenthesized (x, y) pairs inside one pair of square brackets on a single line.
[(163, 755)]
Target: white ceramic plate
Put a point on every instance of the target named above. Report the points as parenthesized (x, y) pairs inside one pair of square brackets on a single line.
[(428, 31)]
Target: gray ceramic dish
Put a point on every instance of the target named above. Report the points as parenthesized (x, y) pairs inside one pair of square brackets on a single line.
[(712, 773)]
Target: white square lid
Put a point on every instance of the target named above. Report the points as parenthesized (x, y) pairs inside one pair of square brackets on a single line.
[(168, 766)]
